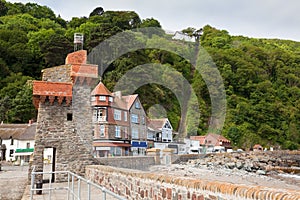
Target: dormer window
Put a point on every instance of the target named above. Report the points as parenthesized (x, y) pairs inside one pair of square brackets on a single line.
[(102, 98)]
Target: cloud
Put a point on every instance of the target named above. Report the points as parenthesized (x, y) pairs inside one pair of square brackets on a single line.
[(256, 18)]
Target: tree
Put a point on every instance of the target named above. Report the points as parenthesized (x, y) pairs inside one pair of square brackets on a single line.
[(3, 8), (150, 22), (51, 45), (97, 12), (4, 108), (22, 109)]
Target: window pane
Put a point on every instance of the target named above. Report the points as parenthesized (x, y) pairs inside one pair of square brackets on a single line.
[(117, 131), (135, 133), (117, 114), (102, 130), (102, 98), (125, 116), (134, 118), (137, 105)]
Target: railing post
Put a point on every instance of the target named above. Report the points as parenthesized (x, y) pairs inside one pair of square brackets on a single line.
[(50, 181), (89, 190), (79, 189), (32, 185), (73, 187), (68, 195), (103, 194)]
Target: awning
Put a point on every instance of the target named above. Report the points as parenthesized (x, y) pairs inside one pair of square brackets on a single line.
[(139, 144), (24, 152), (110, 144)]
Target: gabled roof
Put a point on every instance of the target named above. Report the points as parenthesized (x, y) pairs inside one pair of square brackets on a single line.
[(157, 124), (218, 137), (200, 138), (130, 99), (119, 103), (17, 131), (150, 126), (100, 89)]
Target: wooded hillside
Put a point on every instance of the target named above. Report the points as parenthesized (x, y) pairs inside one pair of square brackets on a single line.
[(261, 76)]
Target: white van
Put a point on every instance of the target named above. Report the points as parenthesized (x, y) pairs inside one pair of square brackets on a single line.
[(219, 149)]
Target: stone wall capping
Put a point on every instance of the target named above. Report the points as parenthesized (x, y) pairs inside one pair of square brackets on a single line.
[(194, 187), (153, 150)]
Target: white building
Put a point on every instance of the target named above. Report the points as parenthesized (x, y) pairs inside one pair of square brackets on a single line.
[(17, 142), (192, 146), (182, 36), (160, 129)]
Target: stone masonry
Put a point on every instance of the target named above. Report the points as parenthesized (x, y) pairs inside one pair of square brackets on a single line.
[(64, 115), (138, 185)]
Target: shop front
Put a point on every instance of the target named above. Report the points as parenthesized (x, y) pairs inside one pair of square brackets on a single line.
[(138, 148)]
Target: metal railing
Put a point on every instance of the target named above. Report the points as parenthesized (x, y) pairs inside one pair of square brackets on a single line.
[(71, 193)]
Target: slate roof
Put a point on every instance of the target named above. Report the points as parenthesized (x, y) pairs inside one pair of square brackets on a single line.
[(157, 124), (119, 103), (130, 99)]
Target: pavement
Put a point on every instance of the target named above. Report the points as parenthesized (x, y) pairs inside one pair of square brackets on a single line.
[(61, 193), (13, 181), (15, 186)]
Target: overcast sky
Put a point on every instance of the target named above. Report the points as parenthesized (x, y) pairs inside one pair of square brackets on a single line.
[(252, 18)]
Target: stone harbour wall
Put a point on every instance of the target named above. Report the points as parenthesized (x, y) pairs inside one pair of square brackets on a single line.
[(134, 184), (129, 162)]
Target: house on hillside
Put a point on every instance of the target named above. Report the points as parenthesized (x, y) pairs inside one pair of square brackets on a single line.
[(182, 36), (119, 123), (257, 147), (138, 124), (161, 129), (17, 142), (213, 142), (111, 126)]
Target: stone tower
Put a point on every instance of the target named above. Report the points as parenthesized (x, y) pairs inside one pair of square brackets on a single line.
[(64, 121)]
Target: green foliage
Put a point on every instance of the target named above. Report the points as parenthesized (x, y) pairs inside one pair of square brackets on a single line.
[(150, 22), (22, 109), (97, 11), (261, 76), (262, 83), (3, 8)]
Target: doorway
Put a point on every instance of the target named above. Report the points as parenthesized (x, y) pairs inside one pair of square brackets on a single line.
[(49, 163)]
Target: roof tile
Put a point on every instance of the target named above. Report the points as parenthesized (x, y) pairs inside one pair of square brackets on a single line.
[(100, 89)]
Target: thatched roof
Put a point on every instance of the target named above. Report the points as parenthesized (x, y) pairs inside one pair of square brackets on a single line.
[(17, 131)]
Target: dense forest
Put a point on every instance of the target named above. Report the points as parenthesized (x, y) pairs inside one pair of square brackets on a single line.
[(261, 76)]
